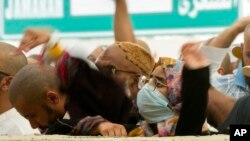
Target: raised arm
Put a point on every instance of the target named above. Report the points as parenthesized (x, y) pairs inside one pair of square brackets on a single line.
[(34, 37), (195, 85), (122, 25), (225, 39)]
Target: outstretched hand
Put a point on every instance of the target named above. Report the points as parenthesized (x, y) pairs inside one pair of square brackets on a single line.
[(111, 129), (33, 37), (193, 57)]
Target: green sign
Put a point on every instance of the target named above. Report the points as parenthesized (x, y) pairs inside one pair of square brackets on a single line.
[(94, 18)]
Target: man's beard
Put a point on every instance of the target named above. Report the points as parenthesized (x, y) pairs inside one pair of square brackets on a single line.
[(50, 112)]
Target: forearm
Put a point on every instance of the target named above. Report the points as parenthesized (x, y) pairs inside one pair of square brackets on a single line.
[(88, 125), (219, 106), (194, 96), (122, 25), (225, 39)]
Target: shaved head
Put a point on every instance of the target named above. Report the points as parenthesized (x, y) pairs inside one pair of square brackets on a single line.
[(246, 51), (247, 28), (10, 64), (247, 36), (32, 82), (144, 45)]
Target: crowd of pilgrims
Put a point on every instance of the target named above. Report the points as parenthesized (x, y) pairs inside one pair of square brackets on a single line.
[(121, 89)]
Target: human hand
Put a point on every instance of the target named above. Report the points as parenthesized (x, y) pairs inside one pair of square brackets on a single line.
[(111, 129), (33, 37), (192, 43), (193, 57), (137, 132), (118, 1)]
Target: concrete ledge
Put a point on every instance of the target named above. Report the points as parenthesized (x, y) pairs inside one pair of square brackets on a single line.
[(87, 138)]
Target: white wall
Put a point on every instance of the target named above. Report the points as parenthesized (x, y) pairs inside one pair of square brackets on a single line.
[(159, 45)]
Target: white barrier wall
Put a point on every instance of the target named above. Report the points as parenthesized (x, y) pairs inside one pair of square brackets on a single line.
[(159, 45), (78, 138)]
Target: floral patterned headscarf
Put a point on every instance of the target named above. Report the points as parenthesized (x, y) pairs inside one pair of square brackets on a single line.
[(173, 70)]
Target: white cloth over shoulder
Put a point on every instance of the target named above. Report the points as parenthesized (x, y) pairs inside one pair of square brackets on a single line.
[(12, 123), (215, 56)]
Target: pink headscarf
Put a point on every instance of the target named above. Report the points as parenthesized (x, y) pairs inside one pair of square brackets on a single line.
[(173, 71)]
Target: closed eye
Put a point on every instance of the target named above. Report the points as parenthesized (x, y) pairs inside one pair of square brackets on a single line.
[(159, 83), (29, 116)]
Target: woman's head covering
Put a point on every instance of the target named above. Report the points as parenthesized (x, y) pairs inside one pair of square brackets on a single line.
[(155, 106), (173, 73), (127, 56)]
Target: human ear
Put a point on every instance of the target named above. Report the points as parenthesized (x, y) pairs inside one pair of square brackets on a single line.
[(237, 51), (221, 71), (5, 83), (52, 97)]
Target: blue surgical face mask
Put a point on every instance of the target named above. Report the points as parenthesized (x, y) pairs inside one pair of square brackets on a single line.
[(153, 106)]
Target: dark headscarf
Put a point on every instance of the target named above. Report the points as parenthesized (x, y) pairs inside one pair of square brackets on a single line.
[(90, 92)]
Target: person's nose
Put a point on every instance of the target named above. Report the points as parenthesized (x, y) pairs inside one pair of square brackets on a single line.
[(34, 124)]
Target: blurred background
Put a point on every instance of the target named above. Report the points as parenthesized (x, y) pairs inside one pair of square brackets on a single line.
[(164, 24)]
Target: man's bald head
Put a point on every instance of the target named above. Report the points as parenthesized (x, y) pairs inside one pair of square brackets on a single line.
[(32, 82), (246, 51), (9, 63), (247, 37), (246, 47), (144, 45)]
